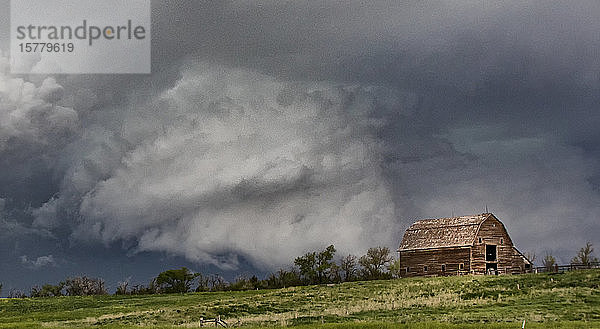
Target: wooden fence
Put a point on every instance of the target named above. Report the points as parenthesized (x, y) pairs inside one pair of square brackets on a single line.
[(541, 269), (216, 322), (565, 268)]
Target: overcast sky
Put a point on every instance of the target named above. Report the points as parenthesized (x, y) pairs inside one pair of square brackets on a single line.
[(269, 129)]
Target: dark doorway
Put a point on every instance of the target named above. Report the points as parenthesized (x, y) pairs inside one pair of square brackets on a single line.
[(490, 253), (491, 268)]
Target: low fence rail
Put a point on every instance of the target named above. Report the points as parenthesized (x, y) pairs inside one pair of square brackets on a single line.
[(565, 268), (216, 322)]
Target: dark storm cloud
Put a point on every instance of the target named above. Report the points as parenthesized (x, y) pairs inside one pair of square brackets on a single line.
[(293, 119)]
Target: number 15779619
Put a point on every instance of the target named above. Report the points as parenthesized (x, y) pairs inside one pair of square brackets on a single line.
[(46, 47)]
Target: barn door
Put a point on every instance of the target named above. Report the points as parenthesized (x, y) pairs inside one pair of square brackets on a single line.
[(491, 268), (490, 253)]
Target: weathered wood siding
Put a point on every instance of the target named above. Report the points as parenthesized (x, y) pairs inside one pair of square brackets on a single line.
[(434, 259), (493, 232)]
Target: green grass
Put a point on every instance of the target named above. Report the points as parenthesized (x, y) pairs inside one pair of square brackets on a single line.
[(569, 300)]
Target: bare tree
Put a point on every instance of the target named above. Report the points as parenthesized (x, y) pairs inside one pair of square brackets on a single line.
[(349, 266), (584, 256), (549, 262), (217, 283), (122, 288), (84, 286), (203, 283), (140, 289), (531, 256), (16, 293)]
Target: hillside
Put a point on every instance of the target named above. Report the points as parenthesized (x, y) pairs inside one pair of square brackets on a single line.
[(570, 300)]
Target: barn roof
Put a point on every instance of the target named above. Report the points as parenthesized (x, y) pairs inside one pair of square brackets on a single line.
[(442, 232)]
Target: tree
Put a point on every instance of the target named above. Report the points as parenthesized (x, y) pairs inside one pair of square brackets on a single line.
[(315, 266), (307, 266), (244, 283), (349, 266), (15, 293), (176, 281), (324, 263), (122, 288), (47, 290), (217, 283), (335, 273), (531, 256), (84, 286), (548, 262), (283, 278), (375, 263), (395, 269), (140, 289), (584, 256), (202, 283)]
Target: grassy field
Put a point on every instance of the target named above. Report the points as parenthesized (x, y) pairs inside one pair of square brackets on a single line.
[(569, 300)]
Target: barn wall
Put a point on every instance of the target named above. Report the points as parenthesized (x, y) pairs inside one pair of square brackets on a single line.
[(518, 265), (416, 261), (492, 232)]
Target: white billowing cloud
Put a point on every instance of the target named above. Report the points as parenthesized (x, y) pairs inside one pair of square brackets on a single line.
[(232, 162), (39, 262), (29, 113)]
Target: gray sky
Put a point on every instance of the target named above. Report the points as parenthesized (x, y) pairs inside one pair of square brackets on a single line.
[(268, 129)]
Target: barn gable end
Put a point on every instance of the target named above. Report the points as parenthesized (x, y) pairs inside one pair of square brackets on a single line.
[(492, 235)]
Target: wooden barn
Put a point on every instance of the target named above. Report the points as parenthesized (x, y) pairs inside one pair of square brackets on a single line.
[(476, 244)]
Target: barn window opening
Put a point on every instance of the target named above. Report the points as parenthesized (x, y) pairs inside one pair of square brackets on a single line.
[(480, 240), (501, 241), (527, 266), (407, 269), (424, 268), (443, 267), (490, 253), (461, 266)]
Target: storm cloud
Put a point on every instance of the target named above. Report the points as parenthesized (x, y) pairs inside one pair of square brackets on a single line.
[(232, 162), (271, 128)]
